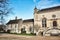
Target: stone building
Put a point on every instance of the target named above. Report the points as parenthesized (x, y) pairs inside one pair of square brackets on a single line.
[(20, 26), (47, 20), (14, 26), (28, 25)]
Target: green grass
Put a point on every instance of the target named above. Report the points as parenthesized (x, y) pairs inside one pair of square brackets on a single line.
[(27, 34), (24, 34)]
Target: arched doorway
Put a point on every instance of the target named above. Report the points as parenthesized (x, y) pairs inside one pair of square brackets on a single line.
[(40, 33), (23, 30), (54, 23)]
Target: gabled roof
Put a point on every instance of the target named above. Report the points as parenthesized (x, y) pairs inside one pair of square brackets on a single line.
[(14, 21), (28, 20), (51, 8)]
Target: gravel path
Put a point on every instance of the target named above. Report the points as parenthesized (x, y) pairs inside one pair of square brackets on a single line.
[(19, 37)]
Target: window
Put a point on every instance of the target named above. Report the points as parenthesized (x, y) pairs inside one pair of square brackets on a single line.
[(30, 29), (11, 26), (24, 29), (15, 25), (44, 22), (54, 23)]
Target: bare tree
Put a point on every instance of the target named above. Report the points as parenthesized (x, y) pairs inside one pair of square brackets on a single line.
[(4, 10)]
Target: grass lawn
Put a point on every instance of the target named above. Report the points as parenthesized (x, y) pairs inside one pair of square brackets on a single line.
[(27, 34), (24, 34)]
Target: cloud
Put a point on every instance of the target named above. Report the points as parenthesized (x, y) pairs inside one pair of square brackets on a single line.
[(34, 1), (47, 3)]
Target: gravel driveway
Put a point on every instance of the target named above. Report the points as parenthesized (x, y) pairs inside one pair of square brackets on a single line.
[(19, 37)]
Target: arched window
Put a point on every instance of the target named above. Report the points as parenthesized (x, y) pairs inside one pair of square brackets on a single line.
[(44, 22), (54, 23)]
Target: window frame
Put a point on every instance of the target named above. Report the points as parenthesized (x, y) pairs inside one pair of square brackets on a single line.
[(44, 22)]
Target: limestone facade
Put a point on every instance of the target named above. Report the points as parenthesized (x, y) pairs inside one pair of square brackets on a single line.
[(14, 26), (46, 22), (47, 19), (28, 24), (20, 26)]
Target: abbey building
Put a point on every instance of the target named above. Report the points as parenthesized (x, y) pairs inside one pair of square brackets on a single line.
[(46, 22)]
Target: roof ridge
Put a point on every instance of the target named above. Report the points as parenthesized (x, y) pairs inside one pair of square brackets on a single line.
[(55, 7)]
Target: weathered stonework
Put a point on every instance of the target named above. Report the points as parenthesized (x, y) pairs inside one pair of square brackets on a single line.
[(19, 25), (48, 14)]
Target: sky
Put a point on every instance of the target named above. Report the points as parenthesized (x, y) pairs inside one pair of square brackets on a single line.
[(25, 8)]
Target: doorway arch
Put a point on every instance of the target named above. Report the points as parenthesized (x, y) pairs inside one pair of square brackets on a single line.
[(54, 23)]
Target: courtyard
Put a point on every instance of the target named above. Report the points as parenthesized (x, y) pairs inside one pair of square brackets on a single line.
[(5, 36)]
